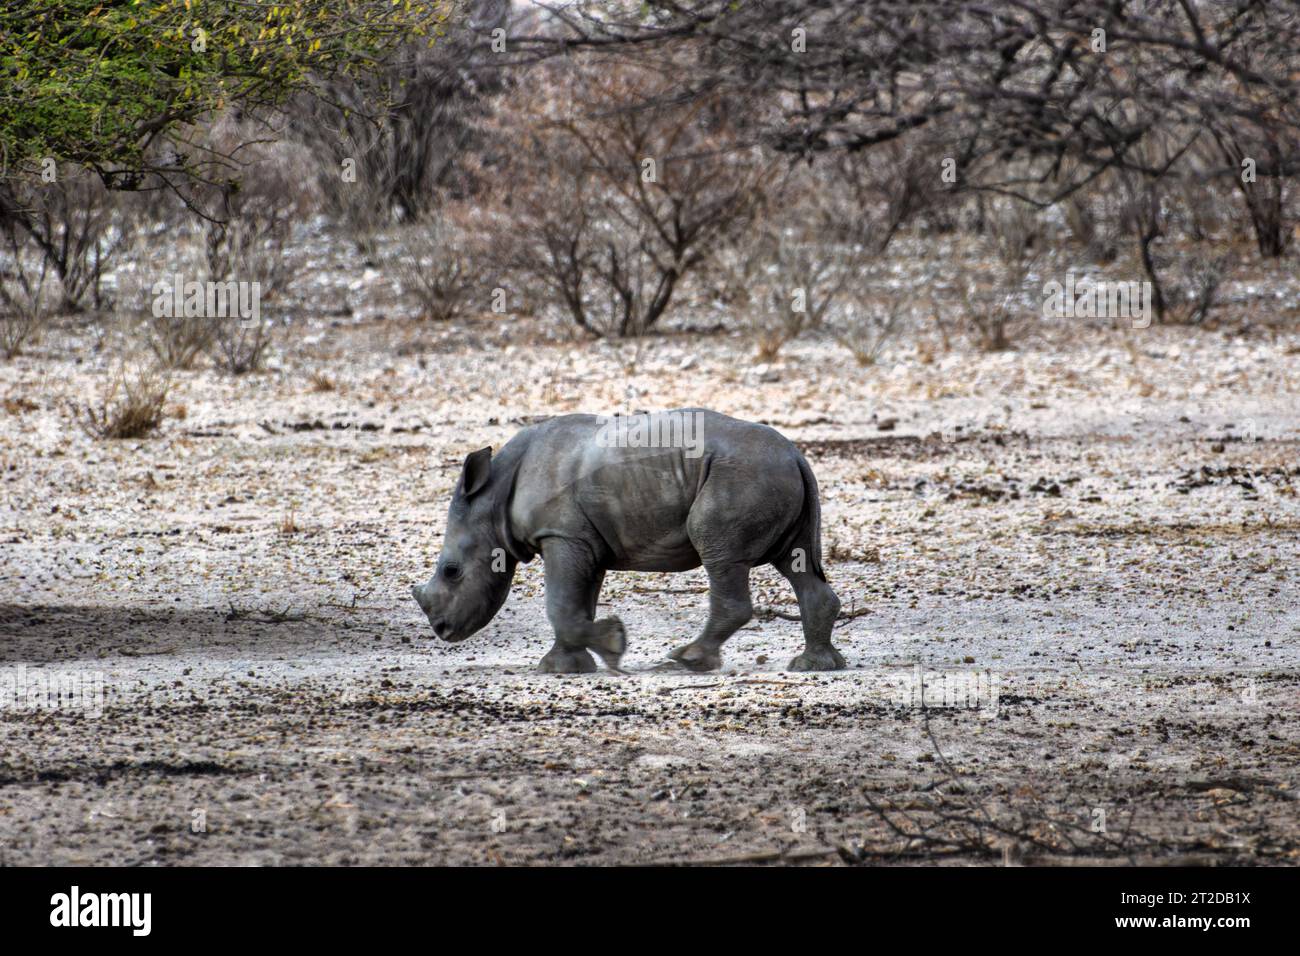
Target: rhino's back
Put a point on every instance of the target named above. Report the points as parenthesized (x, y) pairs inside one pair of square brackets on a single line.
[(674, 449), (629, 485)]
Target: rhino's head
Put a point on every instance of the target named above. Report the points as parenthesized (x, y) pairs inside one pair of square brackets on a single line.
[(472, 579)]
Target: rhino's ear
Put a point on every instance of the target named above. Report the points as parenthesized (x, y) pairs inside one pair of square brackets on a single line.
[(478, 468)]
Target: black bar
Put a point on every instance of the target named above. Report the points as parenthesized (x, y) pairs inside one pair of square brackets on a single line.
[(958, 904)]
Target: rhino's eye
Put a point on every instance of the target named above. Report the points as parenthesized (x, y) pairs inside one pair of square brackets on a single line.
[(451, 571)]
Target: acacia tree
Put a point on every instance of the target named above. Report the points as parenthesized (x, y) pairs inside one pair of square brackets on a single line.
[(120, 91), (1038, 102), (610, 208), (405, 126), (1024, 93), (120, 87), (1260, 158)]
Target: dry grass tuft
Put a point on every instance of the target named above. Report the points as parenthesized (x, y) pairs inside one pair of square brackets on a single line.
[(132, 406), (320, 382), (289, 523)]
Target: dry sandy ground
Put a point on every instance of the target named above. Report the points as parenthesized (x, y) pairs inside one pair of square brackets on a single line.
[(1098, 533)]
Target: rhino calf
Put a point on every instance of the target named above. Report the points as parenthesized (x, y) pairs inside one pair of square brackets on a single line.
[(667, 491)]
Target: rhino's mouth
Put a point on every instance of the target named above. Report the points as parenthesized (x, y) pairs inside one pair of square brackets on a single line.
[(442, 630), (445, 632)]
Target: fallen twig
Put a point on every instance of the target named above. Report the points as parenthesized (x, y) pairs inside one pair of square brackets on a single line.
[(733, 683), (265, 617), (772, 856), (957, 823), (127, 652), (771, 613)]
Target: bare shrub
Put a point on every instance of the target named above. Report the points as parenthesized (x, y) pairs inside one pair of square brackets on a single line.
[(802, 278), (247, 250), (1092, 224), (432, 267), (250, 248), (865, 329), (804, 244), (869, 197), (251, 243), (1184, 283), (989, 311), (1081, 219), (321, 382), (178, 341), (24, 290), (288, 523), (131, 406), (1202, 276), (1201, 203), (1260, 149), (241, 346), (1273, 211), (611, 208), (1145, 215), (389, 146), (250, 239), (1145, 219), (77, 224), (774, 330), (245, 244), (992, 307), (16, 326)]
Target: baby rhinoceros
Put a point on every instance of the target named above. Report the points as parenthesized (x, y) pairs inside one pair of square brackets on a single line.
[(667, 491)]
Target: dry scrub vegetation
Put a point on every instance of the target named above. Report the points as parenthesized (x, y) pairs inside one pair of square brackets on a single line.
[(599, 191), (624, 206)]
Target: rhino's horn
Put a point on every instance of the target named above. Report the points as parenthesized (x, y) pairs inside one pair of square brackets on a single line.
[(417, 592)]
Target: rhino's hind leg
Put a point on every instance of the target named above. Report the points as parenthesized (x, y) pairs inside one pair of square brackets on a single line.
[(729, 610), (572, 590), (818, 609)]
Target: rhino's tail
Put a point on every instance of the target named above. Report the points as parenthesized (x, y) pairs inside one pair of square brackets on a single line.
[(807, 532)]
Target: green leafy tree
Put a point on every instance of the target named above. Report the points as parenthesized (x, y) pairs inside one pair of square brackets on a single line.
[(117, 86)]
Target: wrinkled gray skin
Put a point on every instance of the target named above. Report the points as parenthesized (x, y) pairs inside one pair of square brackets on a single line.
[(748, 499)]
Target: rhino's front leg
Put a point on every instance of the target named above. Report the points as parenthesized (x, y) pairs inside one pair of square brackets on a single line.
[(572, 587), (563, 660)]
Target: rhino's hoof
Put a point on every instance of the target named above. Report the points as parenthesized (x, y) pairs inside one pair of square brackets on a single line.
[(563, 660), (697, 658), (818, 659), (610, 641)]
